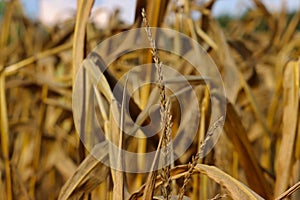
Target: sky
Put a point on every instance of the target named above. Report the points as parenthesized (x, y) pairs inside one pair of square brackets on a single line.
[(52, 11)]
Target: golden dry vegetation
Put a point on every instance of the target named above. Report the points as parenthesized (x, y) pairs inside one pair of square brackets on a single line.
[(256, 157)]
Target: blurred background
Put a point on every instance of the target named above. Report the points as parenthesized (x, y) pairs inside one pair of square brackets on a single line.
[(50, 12)]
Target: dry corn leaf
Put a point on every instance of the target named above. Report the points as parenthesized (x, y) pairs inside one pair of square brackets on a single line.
[(255, 106), (150, 183), (231, 75), (113, 135), (290, 30), (290, 119), (119, 185), (290, 191), (115, 153), (236, 189), (238, 136), (89, 174), (89, 82), (134, 109), (246, 54), (83, 12)]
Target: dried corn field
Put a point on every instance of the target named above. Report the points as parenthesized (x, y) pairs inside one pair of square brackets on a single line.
[(256, 156)]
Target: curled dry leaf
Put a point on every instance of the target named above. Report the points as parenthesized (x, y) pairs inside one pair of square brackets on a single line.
[(237, 134), (236, 189), (291, 83), (290, 191), (89, 174)]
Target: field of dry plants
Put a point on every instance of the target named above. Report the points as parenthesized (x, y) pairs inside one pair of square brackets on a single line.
[(257, 155)]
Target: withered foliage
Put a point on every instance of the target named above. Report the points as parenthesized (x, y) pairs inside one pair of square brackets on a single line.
[(257, 155)]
